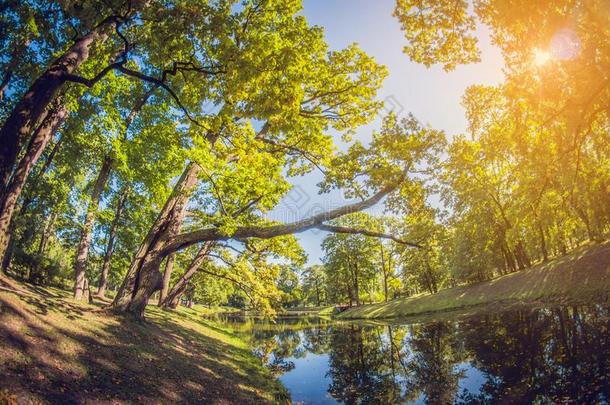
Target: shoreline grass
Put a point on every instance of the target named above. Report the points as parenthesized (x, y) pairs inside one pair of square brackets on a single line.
[(57, 350), (581, 276), (326, 310)]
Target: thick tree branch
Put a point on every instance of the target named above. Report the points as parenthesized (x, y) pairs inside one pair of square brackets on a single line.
[(271, 231), (120, 66), (365, 232), (161, 83)]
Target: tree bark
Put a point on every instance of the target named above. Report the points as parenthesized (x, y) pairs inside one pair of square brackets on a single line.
[(27, 199), (6, 78), (356, 285), (12, 191), (349, 294), (384, 273), (543, 248), (143, 277), (509, 257), (39, 276), (433, 282), (173, 297), (101, 290), (32, 107), (523, 260), (429, 282), (582, 214), (46, 233), (82, 251), (167, 275)]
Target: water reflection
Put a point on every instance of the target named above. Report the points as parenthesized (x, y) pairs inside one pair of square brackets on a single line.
[(551, 355)]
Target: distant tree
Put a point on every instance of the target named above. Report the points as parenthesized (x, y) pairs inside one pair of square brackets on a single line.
[(314, 285)]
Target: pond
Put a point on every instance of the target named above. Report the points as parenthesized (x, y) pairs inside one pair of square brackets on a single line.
[(544, 355)]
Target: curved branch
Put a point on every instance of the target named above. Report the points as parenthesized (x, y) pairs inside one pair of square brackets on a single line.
[(160, 83), (271, 231), (365, 232), (120, 66), (303, 153), (91, 82)]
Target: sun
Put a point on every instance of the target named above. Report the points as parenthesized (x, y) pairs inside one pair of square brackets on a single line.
[(541, 57)]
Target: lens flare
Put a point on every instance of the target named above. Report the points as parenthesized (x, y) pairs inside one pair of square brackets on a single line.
[(541, 57), (566, 45)]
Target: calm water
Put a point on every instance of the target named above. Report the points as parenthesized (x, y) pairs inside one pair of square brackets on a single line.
[(549, 355)]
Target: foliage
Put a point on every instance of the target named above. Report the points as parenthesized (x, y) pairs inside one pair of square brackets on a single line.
[(252, 95)]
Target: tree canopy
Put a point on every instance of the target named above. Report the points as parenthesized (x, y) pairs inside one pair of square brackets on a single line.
[(144, 143)]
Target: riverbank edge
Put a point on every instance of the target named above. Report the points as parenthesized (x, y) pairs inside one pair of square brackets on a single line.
[(34, 317), (580, 277), (321, 311)]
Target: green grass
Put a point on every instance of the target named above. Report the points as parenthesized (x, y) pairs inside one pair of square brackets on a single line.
[(215, 310), (309, 311), (582, 276), (56, 350)]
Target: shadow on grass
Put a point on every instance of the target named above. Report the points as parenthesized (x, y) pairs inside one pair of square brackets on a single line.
[(58, 352), (190, 315)]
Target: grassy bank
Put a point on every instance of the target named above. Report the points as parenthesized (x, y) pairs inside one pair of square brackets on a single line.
[(55, 350), (309, 311), (580, 276)]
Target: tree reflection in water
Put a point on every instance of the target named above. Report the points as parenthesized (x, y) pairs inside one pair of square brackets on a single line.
[(544, 356), (549, 355)]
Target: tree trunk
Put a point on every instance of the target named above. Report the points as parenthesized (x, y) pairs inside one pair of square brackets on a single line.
[(143, 277), (101, 290), (584, 217), (12, 191), (167, 275), (27, 199), (82, 251), (543, 248), (32, 107), (356, 285), (46, 233), (6, 78), (509, 257), (384, 273), (8, 254), (433, 285), (128, 121), (173, 297), (523, 261), (391, 340), (390, 267), (149, 280), (429, 283), (350, 295), (103, 176)]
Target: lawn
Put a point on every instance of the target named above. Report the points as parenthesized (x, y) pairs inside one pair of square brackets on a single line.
[(581, 276), (55, 350), (326, 310)]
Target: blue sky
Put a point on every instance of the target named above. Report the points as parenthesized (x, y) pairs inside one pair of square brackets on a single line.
[(432, 95)]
